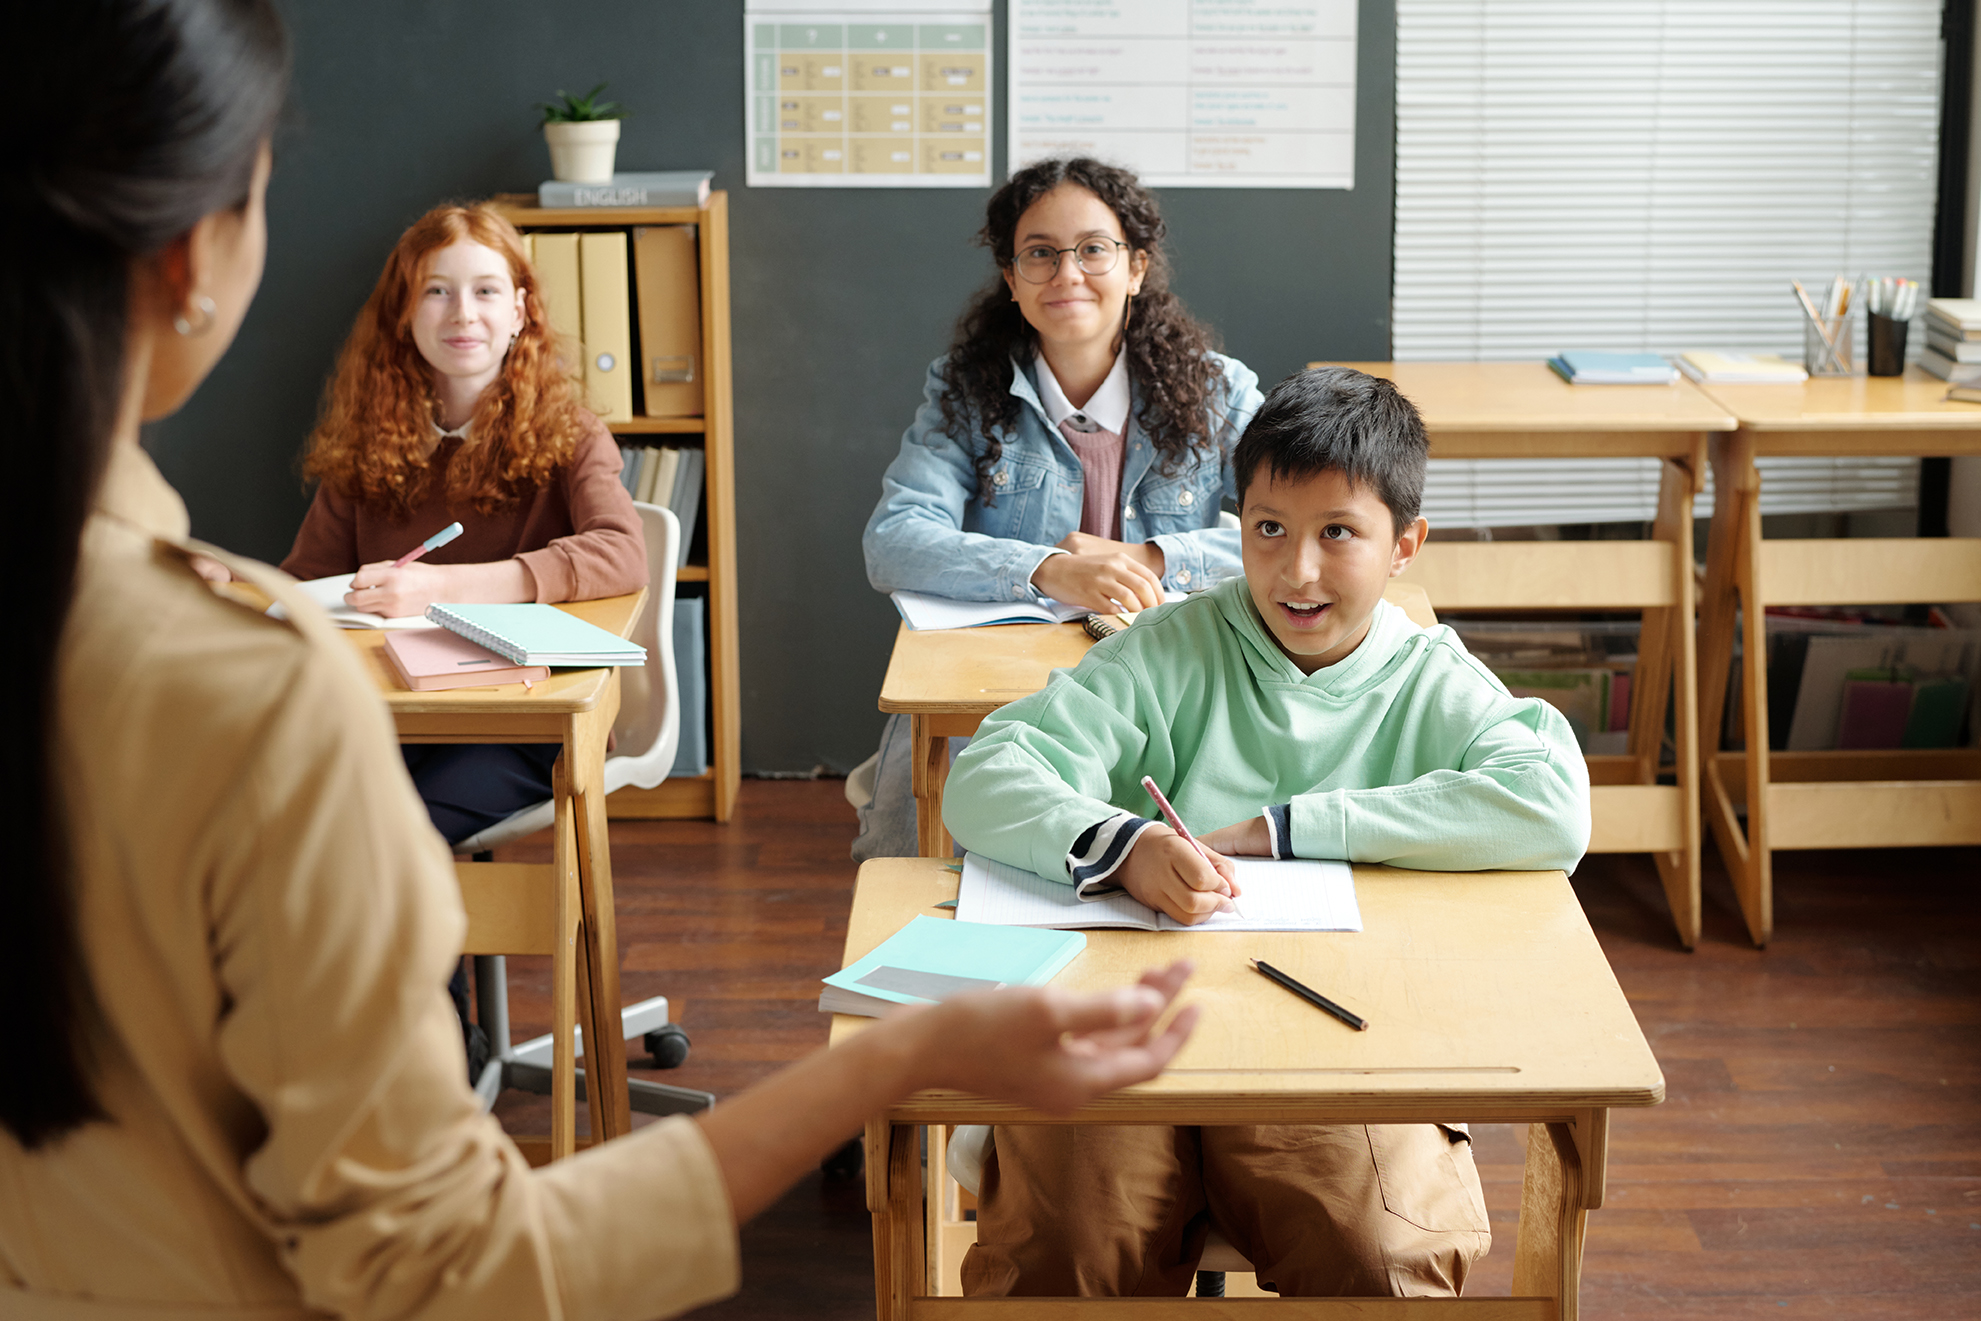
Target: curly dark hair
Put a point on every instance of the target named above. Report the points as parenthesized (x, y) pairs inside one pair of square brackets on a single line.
[(1168, 349)]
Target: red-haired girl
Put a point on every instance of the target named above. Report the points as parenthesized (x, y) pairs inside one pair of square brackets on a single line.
[(448, 405)]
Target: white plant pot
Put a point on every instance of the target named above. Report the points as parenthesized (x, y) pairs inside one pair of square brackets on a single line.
[(582, 152)]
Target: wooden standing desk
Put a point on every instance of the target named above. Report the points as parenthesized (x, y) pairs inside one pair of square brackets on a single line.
[(574, 708), (1489, 1000), (1808, 800), (1522, 410), (947, 680)]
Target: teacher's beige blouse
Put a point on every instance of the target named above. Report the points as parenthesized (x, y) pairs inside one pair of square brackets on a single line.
[(268, 921)]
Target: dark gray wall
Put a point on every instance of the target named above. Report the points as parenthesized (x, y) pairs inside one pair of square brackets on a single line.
[(841, 296)]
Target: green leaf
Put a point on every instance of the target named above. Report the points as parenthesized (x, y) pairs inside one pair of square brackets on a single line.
[(580, 109)]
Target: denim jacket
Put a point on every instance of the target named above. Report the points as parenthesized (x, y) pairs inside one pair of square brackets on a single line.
[(930, 532)]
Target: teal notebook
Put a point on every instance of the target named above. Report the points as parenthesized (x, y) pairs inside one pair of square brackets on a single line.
[(531, 634), (933, 958)]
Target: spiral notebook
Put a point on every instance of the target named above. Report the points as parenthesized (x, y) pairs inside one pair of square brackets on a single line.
[(532, 634)]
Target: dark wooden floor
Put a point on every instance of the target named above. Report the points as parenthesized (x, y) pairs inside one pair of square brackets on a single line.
[(1818, 1153)]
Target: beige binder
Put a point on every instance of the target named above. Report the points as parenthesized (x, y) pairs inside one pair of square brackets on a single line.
[(608, 327), (666, 273), (555, 257)]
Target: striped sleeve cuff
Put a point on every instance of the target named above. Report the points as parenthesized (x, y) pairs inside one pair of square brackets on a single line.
[(1279, 828), (1099, 852)]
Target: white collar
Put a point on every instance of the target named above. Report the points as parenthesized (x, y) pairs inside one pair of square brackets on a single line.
[(460, 432), (1108, 409)]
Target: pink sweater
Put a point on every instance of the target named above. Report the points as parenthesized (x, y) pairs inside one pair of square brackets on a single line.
[(579, 535)]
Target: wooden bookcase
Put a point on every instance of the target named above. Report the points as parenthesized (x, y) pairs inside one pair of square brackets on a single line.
[(712, 794)]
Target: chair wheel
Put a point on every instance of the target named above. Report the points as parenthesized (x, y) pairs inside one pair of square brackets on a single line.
[(668, 1044)]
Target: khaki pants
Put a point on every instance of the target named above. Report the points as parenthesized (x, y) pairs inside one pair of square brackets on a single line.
[(1324, 1211)]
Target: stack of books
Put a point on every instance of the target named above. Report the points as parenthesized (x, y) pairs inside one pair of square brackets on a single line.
[(1953, 339), (1612, 369), (671, 477), (1712, 368)]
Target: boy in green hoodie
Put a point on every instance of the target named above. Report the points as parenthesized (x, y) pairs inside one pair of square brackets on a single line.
[(1300, 715)]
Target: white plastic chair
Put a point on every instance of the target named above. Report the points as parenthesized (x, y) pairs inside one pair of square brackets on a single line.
[(646, 734)]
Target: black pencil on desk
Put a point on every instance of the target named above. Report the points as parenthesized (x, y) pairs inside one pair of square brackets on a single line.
[(1312, 996)]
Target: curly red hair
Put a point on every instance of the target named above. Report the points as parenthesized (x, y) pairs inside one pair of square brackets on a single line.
[(373, 439)]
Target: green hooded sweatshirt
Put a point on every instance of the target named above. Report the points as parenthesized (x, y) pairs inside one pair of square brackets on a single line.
[(1409, 752)]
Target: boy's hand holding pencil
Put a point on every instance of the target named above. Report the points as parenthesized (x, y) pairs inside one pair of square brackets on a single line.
[(1174, 873)]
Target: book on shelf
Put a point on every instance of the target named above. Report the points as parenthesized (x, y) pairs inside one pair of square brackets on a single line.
[(1613, 368), (641, 188), (934, 958), (1938, 363), (672, 477), (1584, 670), (1712, 367), (691, 680)]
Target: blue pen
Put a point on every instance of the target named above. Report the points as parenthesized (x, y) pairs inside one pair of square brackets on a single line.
[(434, 542)]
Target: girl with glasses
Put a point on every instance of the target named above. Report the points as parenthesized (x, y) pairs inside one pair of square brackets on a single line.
[(1073, 444)]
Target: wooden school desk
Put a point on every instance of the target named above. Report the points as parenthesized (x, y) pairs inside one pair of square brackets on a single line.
[(1522, 410), (574, 708), (1488, 1000), (1812, 800), (947, 680)]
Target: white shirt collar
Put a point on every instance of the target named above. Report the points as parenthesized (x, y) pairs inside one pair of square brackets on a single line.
[(1108, 409)]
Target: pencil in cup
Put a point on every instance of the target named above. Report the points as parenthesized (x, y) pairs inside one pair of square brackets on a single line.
[(1176, 824)]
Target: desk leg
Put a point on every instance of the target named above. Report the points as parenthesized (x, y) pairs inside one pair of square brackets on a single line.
[(1547, 1257), (563, 983), (1667, 661), (931, 773), (605, 1044), (894, 1197), (1732, 584)]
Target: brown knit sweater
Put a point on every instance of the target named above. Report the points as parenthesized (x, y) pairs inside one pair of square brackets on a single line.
[(579, 535)]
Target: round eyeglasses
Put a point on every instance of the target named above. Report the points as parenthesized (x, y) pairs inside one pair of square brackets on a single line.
[(1094, 256)]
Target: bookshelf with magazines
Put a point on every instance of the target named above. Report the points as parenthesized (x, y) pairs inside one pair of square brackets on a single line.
[(689, 408)]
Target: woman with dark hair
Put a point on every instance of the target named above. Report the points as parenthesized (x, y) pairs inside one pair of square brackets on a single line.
[(235, 1081), (1073, 444)]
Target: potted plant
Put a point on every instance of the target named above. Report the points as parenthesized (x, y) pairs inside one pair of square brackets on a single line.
[(583, 133)]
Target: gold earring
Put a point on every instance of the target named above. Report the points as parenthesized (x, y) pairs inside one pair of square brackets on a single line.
[(207, 311)]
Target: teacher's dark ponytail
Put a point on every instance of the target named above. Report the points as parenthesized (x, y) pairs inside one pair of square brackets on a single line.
[(131, 120)]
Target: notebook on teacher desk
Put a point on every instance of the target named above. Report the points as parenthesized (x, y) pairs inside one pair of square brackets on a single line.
[(532, 634), (430, 660), (1294, 894)]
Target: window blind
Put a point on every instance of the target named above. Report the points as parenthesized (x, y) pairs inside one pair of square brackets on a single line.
[(1649, 175)]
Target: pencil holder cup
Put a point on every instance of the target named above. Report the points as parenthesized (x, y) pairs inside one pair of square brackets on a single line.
[(1826, 345), (1887, 352)]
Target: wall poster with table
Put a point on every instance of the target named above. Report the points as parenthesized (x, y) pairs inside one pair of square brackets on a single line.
[(868, 96)]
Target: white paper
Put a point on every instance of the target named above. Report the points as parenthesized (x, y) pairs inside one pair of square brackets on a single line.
[(1297, 894), (890, 94), (1237, 94), (922, 611), (329, 593)]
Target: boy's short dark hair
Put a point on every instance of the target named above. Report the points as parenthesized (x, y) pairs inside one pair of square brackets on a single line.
[(1336, 419)]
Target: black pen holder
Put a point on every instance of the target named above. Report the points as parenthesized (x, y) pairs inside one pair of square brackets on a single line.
[(1887, 345)]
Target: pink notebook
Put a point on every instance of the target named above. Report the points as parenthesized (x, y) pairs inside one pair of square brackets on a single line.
[(430, 659)]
